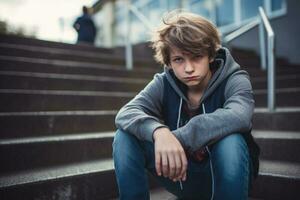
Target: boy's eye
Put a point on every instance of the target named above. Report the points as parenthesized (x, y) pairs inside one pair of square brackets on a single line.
[(177, 60), (198, 56)]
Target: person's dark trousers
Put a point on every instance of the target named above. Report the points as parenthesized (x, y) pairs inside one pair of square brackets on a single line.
[(224, 174)]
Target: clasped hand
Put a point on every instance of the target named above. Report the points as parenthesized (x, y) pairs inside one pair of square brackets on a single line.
[(170, 158)]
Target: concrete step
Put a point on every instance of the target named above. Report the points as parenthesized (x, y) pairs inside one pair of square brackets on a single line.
[(248, 62), (285, 97), (46, 151), (278, 145), (255, 62), (71, 55), (95, 179), (161, 193), (254, 73), (282, 81), (32, 124), (23, 64), (30, 153), (244, 55), (86, 180), (51, 81), (284, 119), (10, 39), (139, 50), (13, 100), (23, 100), (277, 180), (58, 53), (57, 81), (243, 52), (28, 124)]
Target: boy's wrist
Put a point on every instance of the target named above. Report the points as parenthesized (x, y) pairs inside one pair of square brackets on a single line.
[(158, 131)]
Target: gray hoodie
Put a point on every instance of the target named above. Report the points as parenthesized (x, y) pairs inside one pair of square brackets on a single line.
[(143, 114)]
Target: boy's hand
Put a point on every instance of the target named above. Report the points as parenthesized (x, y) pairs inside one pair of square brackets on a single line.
[(170, 158)]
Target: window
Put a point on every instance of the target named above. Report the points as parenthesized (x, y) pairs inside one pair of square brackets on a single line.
[(276, 4), (224, 13), (201, 7), (120, 24), (249, 8), (174, 4)]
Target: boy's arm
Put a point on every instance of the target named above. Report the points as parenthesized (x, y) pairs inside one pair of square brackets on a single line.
[(234, 117), (142, 115)]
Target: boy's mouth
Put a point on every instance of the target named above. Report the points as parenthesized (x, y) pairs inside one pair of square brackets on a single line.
[(191, 78)]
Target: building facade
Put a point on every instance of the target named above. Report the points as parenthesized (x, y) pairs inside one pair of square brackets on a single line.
[(228, 15)]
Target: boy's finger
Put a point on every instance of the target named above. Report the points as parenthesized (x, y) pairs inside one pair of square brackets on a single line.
[(164, 164), (184, 177), (158, 163), (178, 167), (172, 166), (184, 165)]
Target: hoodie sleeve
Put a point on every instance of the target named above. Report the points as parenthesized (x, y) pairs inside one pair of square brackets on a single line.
[(142, 115), (234, 117)]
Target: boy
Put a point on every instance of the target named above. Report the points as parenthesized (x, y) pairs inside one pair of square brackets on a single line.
[(190, 126)]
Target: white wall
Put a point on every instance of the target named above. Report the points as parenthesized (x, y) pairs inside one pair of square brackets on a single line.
[(104, 23), (287, 32)]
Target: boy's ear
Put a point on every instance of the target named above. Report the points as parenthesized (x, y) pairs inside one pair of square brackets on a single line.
[(212, 63), (169, 66)]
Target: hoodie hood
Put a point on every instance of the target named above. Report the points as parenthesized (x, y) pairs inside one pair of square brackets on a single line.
[(224, 65)]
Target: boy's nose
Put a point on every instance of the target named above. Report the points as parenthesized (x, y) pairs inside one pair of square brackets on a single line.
[(189, 68)]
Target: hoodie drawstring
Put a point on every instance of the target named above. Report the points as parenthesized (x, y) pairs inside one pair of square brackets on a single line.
[(211, 169), (210, 162), (178, 123)]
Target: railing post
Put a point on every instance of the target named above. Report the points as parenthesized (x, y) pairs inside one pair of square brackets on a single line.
[(128, 50), (271, 61), (265, 53), (263, 60), (271, 75)]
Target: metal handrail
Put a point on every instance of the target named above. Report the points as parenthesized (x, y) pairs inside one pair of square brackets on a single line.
[(128, 50), (263, 22), (271, 60), (241, 31), (141, 17), (144, 20)]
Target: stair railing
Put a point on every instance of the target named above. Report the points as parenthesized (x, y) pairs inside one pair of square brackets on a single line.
[(143, 19), (269, 64)]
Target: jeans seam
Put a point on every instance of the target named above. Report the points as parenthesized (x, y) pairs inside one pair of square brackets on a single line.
[(212, 174)]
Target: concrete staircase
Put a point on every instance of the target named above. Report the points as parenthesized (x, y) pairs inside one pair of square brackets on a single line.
[(58, 103)]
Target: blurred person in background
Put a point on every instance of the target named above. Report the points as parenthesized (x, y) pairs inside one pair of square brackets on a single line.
[(85, 27)]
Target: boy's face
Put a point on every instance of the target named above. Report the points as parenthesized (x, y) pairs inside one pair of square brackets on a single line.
[(191, 70)]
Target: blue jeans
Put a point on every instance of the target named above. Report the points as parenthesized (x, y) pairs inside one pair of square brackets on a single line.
[(225, 174)]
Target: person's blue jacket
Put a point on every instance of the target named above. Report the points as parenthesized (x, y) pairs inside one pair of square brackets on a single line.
[(85, 28)]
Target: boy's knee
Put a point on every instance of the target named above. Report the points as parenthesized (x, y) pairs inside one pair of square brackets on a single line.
[(119, 136), (128, 149), (122, 141), (231, 156), (231, 146), (230, 161), (125, 146)]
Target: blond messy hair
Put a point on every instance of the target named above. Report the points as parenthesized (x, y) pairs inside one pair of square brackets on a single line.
[(187, 32)]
